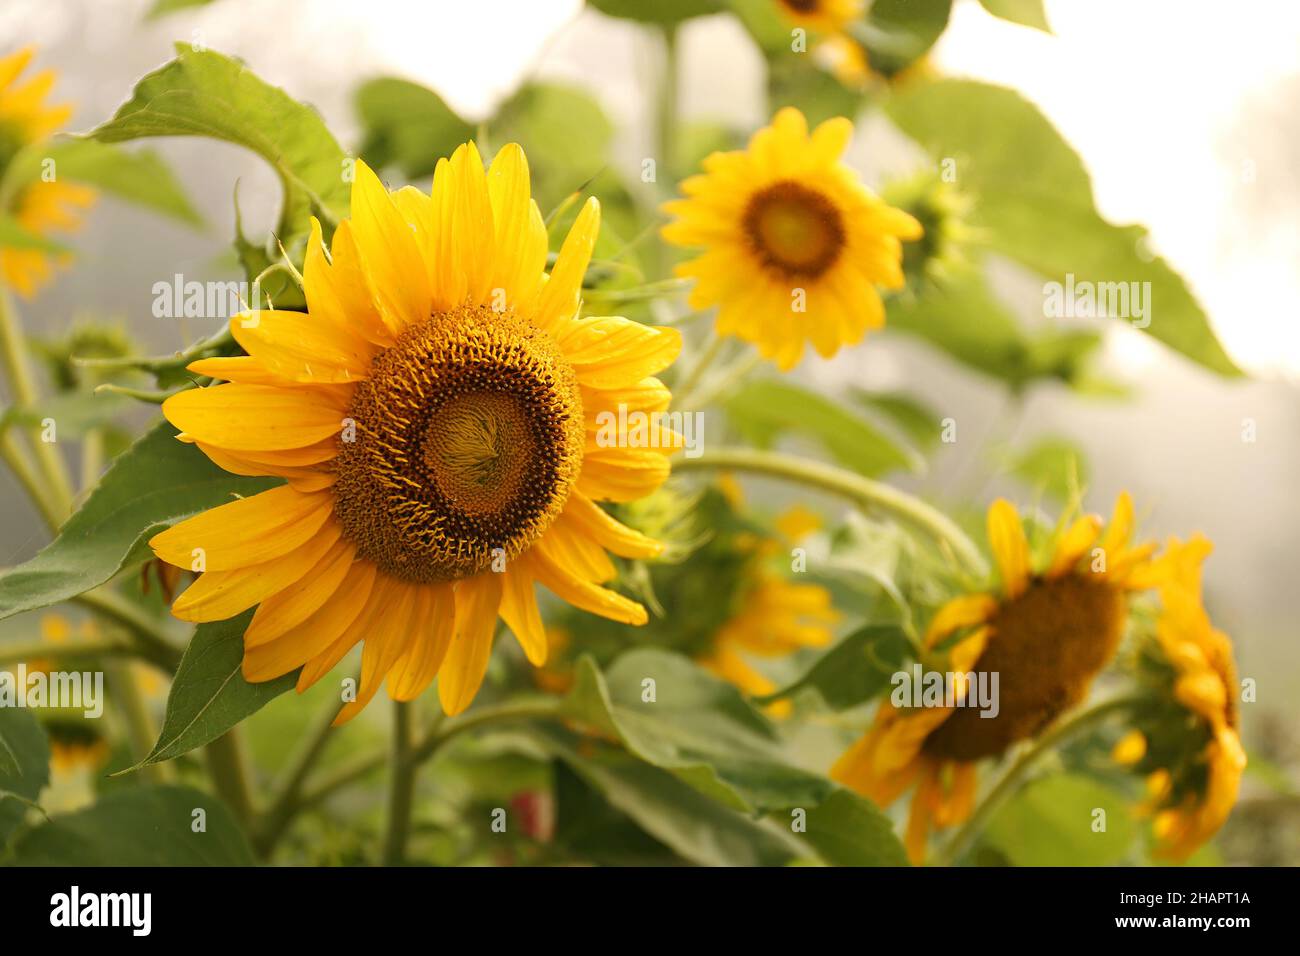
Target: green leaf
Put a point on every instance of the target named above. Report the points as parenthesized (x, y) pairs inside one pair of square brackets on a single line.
[(161, 8), (1027, 13), (657, 11), (73, 412), (814, 92), (674, 813), (14, 235), (765, 24), (848, 830), (139, 826), (1042, 213), (919, 422), (141, 177), (156, 482), (564, 132), (407, 125), (967, 321), (766, 409), (698, 728), (209, 694), (1053, 466), (203, 93), (1050, 823), (900, 32), (856, 669), (24, 764)]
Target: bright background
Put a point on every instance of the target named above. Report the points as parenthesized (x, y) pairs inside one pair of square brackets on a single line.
[(1187, 113)]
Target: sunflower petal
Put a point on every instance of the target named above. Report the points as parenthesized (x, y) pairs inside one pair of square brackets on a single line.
[(1010, 547), (477, 601)]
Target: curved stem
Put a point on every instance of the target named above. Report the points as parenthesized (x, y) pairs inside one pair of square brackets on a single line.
[(1015, 774), (15, 456), (155, 645), (707, 357), (228, 768), (868, 494)]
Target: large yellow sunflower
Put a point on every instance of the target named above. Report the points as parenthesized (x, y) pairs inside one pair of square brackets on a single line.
[(40, 207), (794, 244), (434, 413), (1046, 634), (1188, 743)]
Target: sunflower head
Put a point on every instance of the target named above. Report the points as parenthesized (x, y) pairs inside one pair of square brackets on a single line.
[(942, 210), (1047, 630), (434, 414), (794, 245), (1186, 735)]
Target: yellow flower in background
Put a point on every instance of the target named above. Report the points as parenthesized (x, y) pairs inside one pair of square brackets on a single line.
[(1189, 746), (794, 245), (40, 207), (1046, 634), (822, 16), (435, 416)]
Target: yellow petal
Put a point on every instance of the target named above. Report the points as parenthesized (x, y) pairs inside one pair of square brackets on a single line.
[(1073, 544), (434, 623), (237, 368), (520, 246), (477, 602), (255, 417), (281, 612), (519, 611), (390, 259), (560, 294), (613, 352), (583, 594), (244, 532), (386, 623), (1010, 547), (302, 348), (607, 531)]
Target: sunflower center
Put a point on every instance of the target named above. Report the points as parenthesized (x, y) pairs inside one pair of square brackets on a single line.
[(468, 437), (1046, 646), (794, 230)]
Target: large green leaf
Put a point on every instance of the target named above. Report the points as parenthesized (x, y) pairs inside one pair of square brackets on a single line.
[(767, 409), (1052, 821), (856, 669), (1027, 13), (848, 830), (900, 32), (24, 764), (407, 125), (203, 93), (139, 826), (698, 728), (141, 177), (968, 322), (157, 481), (1034, 203), (209, 694), (674, 813)]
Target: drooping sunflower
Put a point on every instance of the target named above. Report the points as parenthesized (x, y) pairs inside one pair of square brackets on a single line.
[(434, 414), (1047, 634), (1186, 739), (40, 207), (794, 244)]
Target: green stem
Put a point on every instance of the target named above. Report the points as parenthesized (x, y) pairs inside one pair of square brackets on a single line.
[(20, 464), (228, 768), (13, 652), (139, 727), (13, 350), (722, 382), (401, 789), (868, 494), (155, 645), (92, 459), (710, 355), (1012, 779), (285, 794)]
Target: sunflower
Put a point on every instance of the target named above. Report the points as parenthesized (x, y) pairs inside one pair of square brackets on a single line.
[(822, 16), (1046, 634), (794, 244), (434, 415), (40, 207), (1187, 739)]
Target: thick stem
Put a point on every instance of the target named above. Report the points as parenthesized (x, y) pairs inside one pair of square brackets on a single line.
[(401, 788), (280, 810), (139, 726), (868, 494), (154, 643), (1014, 776), (13, 350), (16, 457), (228, 768)]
